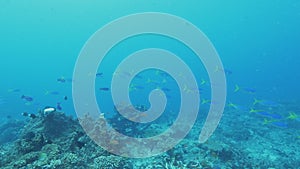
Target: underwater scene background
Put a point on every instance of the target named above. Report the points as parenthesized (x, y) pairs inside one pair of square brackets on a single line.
[(258, 44)]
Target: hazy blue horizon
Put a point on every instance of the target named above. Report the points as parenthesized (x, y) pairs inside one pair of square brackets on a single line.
[(40, 42)]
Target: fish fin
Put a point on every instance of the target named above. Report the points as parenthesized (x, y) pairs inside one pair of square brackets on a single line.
[(256, 101)]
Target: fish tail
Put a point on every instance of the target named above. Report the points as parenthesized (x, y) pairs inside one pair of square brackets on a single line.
[(204, 101), (232, 105), (237, 88), (256, 101), (203, 81), (266, 121), (252, 110)]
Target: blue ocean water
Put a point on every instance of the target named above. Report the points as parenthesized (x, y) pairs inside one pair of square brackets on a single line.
[(257, 41)]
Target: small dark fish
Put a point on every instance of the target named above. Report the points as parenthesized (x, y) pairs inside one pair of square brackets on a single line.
[(64, 80), (27, 98), (266, 114), (33, 116), (104, 88), (269, 103), (61, 80), (65, 97), (8, 117), (280, 124), (227, 71), (29, 115), (244, 89), (99, 74), (25, 114), (266, 103), (249, 90), (58, 106), (54, 93)]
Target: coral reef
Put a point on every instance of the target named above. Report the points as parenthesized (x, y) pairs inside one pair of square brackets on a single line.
[(9, 130), (52, 141), (55, 140)]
